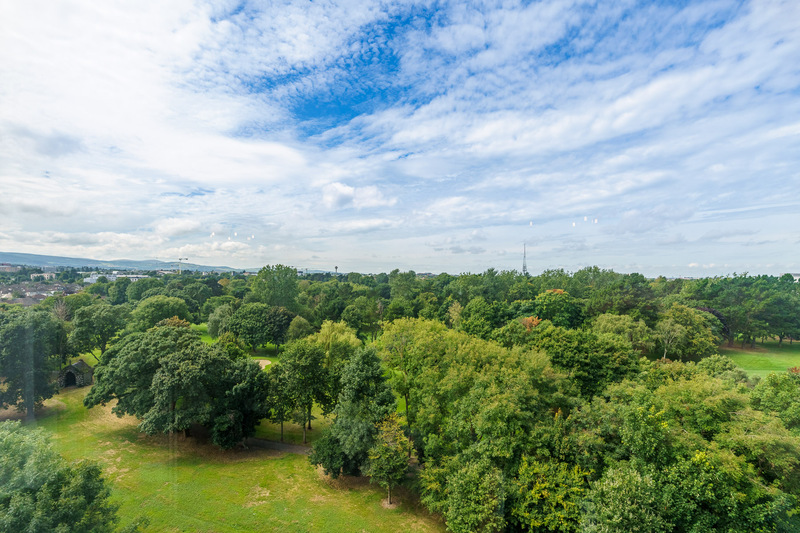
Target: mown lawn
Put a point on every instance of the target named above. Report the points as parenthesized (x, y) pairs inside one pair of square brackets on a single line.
[(203, 330), (293, 433), (764, 358), (182, 485)]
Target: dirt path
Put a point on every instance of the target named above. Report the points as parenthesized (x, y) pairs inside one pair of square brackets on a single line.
[(264, 362)]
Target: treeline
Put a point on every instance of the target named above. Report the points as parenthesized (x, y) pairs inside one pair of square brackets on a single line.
[(591, 401)]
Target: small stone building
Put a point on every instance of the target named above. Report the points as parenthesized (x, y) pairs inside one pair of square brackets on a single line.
[(77, 374)]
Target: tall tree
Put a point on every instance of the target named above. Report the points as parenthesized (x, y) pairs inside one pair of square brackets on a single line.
[(28, 358), (118, 291), (388, 458), (95, 325), (41, 491), (154, 309), (276, 286), (249, 324), (169, 379), (305, 378), (364, 401)]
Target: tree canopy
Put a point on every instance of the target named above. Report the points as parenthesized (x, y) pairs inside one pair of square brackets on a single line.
[(170, 380), (28, 357), (40, 491)]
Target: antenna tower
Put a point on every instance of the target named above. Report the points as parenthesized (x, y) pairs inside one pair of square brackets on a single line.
[(524, 260)]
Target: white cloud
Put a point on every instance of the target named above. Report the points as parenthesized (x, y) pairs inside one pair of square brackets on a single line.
[(171, 227), (338, 196), (138, 129)]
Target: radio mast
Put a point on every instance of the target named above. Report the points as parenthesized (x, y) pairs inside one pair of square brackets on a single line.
[(524, 260)]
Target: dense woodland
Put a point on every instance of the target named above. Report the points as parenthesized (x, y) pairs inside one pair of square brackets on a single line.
[(587, 401)]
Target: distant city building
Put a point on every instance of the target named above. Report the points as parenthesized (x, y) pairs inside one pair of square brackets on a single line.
[(113, 277), (6, 267), (45, 275), (133, 277)]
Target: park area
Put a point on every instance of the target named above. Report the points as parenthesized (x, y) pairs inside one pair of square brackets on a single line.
[(180, 484), (765, 357)]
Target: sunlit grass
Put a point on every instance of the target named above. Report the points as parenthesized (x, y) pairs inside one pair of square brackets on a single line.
[(764, 358), (183, 485), (293, 433), (203, 330)]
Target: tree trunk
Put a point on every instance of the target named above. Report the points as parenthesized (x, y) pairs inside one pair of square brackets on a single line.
[(390, 495), (281, 429), (172, 411), (309, 417), (304, 433)]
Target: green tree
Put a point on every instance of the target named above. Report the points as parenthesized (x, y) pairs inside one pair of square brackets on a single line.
[(278, 321), (560, 308), (40, 491), (404, 285), (636, 332), (154, 309), (305, 378), (219, 320), (475, 497), (249, 324), (169, 379), (626, 500), (299, 328), (214, 303), (478, 318), (339, 341), (136, 289), (276, 286), (95, 325), (28, 358), (363, 315), (365, 400), (687, 332), (388, 458), (779, 394), (548, 496), (257, 324), (280, 403), (117, 291), (671, 336), (592, 361)]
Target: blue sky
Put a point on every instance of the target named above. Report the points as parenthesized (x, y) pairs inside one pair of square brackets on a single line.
[(652, 137)]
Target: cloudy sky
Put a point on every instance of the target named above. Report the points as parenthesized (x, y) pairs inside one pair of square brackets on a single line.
[(653, 137)]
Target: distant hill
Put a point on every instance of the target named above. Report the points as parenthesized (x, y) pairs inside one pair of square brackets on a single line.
[(36, 260)]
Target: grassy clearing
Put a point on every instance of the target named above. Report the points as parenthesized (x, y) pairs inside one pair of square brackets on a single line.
[(293, 433), (203, 330), (182, 485), (764, 358)]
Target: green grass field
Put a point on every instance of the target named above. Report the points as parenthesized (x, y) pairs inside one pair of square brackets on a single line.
[(765, 358), (182, 485), (203, 330)]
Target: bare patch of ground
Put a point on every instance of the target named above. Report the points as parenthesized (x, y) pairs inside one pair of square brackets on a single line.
[(386, 505), (50, 407), (257, 496)]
